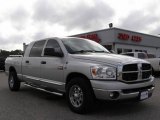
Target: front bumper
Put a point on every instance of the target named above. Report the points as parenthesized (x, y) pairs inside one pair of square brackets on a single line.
[(103, 89)]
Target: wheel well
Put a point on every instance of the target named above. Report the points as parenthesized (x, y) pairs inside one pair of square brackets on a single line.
[(12, 69), (73, 75)]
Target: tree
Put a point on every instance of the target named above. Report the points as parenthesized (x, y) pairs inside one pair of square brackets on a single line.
[(4, 53)]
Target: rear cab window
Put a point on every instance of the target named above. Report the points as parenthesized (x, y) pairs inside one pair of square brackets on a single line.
[(37, 49)]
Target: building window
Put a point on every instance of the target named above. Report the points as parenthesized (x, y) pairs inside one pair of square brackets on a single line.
[(109, 47), (127, 50), (144, 51), (141, 51), (129, 54), (119, 50)]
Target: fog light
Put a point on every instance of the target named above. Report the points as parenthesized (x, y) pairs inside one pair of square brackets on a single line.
[(114, 95)]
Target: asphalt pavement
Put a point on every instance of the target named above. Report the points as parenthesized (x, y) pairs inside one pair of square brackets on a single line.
[(31, 104)]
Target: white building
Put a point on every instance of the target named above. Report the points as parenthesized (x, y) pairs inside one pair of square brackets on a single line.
[(121, 40)]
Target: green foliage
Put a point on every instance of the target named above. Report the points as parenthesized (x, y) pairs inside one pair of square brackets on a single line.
[(4, 53)]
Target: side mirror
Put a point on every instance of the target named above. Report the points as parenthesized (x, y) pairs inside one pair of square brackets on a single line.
[(53, 52)]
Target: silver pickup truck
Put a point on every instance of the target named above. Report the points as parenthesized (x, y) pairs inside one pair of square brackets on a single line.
[(81, 69)]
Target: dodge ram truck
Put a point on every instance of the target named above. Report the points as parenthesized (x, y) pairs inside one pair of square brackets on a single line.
[(81, 69)]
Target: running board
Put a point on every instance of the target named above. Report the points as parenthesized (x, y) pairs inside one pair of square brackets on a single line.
[(44, 90)]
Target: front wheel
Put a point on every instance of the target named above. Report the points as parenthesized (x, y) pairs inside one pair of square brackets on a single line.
[(13, 82), (79, 95)]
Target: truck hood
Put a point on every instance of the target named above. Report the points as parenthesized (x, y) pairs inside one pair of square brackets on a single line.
[(108, 58)]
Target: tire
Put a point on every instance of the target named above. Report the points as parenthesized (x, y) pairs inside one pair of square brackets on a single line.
[(79, 95), (13, 82)]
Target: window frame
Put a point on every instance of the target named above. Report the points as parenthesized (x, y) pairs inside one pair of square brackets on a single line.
[(33, 47), (46, 47)]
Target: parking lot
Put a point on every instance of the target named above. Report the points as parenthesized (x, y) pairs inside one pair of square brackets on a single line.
[(31, 104)]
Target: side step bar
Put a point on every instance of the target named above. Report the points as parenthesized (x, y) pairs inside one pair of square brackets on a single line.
[(41, 89)]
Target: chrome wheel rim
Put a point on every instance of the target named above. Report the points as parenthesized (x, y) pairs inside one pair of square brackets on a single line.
[(76, 96), (11, 81)]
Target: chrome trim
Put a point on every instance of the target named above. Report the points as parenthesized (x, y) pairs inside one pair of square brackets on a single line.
[(104, 94), (136, 71), (138, 80), (56, 93), (131, 72), (44, 80), (140, 71)]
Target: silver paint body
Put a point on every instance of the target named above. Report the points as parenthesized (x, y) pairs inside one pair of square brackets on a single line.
[(51, 76)]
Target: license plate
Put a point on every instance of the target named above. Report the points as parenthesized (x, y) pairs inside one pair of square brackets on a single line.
[(143, 95)]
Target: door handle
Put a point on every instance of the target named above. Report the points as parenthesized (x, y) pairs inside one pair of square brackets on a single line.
[(27, 61), (60, 67), (43, 62)]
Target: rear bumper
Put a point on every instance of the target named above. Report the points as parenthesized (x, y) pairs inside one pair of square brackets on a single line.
[(104, 89)]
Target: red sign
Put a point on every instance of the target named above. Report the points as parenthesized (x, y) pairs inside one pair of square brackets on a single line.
[(134, 38), (93, 37)]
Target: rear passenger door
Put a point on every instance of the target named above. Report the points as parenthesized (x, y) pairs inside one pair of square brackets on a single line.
[(52, 67), (31, 63)]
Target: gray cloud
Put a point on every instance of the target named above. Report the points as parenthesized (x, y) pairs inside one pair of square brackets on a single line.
[(39, 35), (15, 39), (10, 43), (44, 15), (138, 21), (156, 31), (80, 16), (44, 11), (18, 18)]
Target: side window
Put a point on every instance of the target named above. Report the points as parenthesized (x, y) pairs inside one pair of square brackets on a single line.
[(55, 45), (142, 55), (37, 49)]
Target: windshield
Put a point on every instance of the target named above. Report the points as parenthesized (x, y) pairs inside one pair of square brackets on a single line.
[(77, 45)]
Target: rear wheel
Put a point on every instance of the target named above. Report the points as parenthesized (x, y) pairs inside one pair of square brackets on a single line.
[(13, 82), (79, 95)]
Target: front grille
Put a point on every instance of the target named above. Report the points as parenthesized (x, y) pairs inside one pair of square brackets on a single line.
[(130, 67), (130, 76), (136, 72), (146, 74), (146, 66)]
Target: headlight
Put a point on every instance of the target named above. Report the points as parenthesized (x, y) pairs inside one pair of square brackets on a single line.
[(103, 72)]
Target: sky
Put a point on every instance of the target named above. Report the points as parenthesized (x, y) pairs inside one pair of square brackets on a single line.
[(23, 21)]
